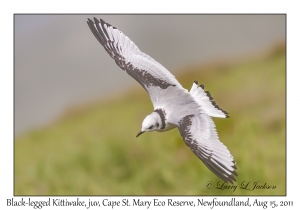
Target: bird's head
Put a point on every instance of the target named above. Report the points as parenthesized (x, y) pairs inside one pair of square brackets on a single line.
[(151, 123)]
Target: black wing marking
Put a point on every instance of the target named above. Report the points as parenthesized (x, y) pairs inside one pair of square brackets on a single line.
[(144, 69), (198, 132)]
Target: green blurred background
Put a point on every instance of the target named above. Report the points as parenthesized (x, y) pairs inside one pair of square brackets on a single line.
[(92, 149)]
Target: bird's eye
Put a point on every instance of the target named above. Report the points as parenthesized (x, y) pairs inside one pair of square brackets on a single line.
[(151, 127)]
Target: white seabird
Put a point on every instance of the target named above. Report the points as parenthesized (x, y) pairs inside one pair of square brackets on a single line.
[(174, 106)]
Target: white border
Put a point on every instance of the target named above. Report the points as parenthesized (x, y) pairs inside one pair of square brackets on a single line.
[(154, 6)]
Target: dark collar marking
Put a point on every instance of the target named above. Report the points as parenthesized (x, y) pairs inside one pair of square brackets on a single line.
[(162, 115)]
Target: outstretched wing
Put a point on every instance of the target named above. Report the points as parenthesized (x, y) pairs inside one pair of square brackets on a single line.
[(155, 79), (199, 133)]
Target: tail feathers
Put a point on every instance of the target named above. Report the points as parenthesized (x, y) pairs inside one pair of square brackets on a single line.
[(205, 100)]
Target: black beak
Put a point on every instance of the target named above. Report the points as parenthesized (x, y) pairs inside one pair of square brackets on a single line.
[(141, 132)]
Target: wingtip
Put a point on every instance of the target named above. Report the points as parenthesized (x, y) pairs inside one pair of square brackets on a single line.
[(89, 21), (230, 181), (234, 172), (234, 165), (96, 20), (196, 82)]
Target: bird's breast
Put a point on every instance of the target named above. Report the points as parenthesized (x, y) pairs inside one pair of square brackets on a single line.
[(169, 126)]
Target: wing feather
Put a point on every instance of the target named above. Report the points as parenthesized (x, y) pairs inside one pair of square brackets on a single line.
[(199, 133), (153, 77)]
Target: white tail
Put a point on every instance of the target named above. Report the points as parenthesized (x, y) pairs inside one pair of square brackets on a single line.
[(204, 99)]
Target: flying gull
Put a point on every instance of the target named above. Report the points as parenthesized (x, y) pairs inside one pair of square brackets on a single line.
[(174, 106)]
